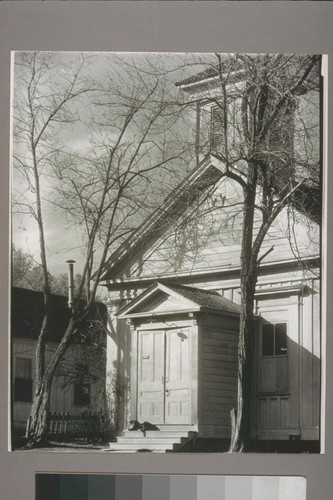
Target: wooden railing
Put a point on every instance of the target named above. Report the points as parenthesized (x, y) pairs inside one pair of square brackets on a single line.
[(86, 426)]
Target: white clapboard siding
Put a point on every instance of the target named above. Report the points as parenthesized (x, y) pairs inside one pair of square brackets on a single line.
[(212, 241), (62, 396)]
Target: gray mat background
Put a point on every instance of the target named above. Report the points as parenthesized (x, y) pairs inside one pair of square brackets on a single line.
[(240, 26)]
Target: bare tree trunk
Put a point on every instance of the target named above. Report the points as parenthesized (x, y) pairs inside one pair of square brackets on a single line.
[(241, 419), (38, 422), (37, 426)]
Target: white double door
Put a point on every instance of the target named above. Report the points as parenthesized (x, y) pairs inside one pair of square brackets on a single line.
[(164, 379)]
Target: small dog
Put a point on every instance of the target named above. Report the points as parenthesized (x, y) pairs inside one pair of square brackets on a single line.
[(135, 425)]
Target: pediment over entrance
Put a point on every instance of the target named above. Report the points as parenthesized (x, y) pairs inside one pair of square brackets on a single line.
[(161, 299)]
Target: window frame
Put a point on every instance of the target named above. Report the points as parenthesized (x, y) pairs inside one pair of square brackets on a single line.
[(274, 354), (23, 385), (82, 387)]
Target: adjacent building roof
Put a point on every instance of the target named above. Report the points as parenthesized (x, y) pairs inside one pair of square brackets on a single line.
[(27, 314)]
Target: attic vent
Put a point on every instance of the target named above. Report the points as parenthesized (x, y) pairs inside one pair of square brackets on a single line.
[(216, 140)]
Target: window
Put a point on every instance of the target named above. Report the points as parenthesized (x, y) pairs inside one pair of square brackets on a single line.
[(23, 380), (81, 394), (82, 386), (274, 339)]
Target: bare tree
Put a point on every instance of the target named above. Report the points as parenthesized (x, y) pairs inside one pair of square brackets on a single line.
[(105, 188), (256, 129)]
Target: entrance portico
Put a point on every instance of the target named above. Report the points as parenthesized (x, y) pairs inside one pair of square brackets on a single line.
[(177, 378)]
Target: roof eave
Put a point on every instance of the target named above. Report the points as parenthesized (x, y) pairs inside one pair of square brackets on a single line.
[(147, 228)]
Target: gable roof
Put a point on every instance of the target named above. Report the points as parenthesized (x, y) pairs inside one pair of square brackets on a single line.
[(206, 298), (204, 176), (176, 299)]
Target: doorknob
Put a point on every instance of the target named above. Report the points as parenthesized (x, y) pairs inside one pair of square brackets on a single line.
[(167, 392)]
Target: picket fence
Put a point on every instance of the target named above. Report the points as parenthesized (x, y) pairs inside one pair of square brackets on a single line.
[(86, 426)]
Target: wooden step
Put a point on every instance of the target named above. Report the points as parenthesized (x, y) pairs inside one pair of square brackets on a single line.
[(176, 427), (159, 441), (143, 441), (150, 439), (154, 434)]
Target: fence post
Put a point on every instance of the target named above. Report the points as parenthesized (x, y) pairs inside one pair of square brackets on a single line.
[(27, 426)]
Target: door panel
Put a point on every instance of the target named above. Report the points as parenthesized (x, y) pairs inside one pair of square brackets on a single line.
[(273, 399), (151, 377), (274, 374), (164, 381), (177, 393)]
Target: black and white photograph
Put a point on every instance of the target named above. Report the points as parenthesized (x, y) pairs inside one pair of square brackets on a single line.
[(166, 252)]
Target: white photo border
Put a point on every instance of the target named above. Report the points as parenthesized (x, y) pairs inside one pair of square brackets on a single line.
[(294, 27)]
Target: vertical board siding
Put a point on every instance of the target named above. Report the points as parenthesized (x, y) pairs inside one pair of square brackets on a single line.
[(288, 391), (219, 373), (310, 361)]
